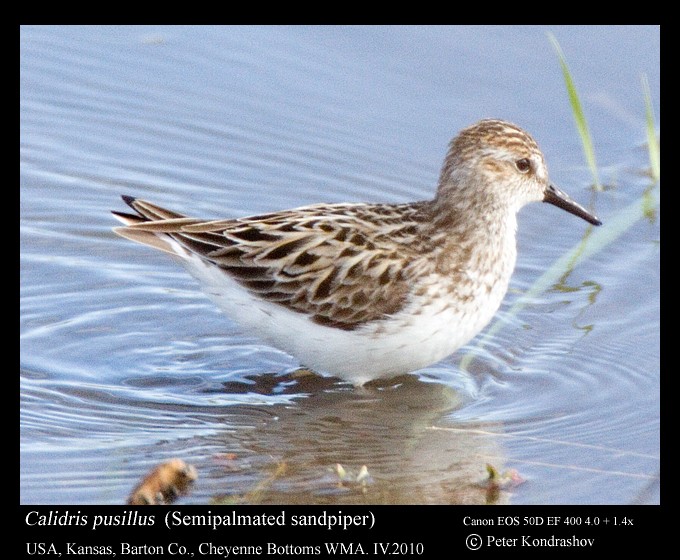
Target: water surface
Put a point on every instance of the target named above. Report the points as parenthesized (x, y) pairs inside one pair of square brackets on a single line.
[(124, 363)]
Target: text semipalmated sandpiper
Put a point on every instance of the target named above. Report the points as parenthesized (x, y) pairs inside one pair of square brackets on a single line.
[(364, 291)]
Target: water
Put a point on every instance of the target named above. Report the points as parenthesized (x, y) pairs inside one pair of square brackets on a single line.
[(124, 363)]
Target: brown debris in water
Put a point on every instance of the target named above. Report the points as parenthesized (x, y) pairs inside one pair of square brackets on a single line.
[(164, 484)]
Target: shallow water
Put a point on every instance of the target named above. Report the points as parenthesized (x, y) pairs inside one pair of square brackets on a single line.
[(124, 363)]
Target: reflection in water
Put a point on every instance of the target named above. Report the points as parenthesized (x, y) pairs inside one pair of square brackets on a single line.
[(265, 439), (386, 427)]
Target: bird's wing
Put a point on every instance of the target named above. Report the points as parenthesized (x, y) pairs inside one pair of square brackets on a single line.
[(332, 262)]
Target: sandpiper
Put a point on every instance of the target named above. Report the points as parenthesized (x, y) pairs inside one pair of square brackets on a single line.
[(364, 291)]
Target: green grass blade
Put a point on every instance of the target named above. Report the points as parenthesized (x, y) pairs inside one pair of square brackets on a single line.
[(579, 117), (652, 143), (594, 241)]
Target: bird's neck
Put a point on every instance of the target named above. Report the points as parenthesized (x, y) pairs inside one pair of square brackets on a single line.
[(477, 238)]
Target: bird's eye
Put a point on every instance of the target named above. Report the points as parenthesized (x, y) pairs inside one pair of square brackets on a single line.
[(523, 165)]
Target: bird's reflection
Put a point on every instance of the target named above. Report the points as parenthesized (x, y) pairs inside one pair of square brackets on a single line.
[(389, 442)]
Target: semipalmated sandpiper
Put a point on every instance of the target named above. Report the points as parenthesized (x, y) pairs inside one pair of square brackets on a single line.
[(364, 291)]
